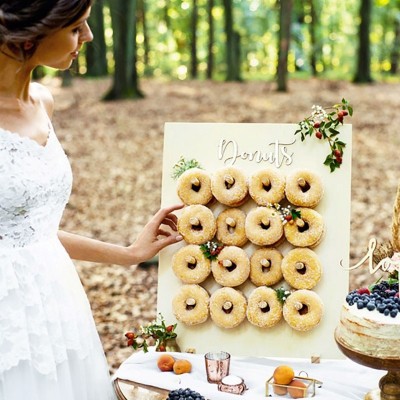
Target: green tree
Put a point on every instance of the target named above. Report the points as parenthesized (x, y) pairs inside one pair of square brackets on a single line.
[(193, 45), (210, 45), (125, 78), (232, 44), (285, 20), (96, 51), (363, 72)]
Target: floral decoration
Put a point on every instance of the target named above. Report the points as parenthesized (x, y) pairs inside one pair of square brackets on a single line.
[(287, 214), (282, 294), (211, 249), (156, 333), (323, 125), (183, 165)]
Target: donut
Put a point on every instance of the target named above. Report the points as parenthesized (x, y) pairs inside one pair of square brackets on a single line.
[(190, 265), (264, 308), (190, 305), (230, 227), (265, 267), (227, 307), (303, 310), (194, 187), (232, 266), (306, 231), (301, 268), (229, 186), (264, 226), (267, 186), (197, 224), (304, 188)]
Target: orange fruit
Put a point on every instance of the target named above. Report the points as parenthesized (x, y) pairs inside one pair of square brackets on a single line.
[(283, 374), (297, 389), (279, 390), (165, 362), (182, 366)]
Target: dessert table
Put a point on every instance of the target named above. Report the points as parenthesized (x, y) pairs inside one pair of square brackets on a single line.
[(139, 377)]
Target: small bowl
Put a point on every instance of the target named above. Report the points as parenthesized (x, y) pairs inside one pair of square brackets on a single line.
[(232, 384)]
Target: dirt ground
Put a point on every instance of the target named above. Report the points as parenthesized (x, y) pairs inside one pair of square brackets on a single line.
[(116, 154)]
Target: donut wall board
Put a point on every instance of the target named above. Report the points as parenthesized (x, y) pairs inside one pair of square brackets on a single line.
[(251, 148)]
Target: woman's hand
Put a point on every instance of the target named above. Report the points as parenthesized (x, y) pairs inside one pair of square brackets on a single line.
[(158, 233)]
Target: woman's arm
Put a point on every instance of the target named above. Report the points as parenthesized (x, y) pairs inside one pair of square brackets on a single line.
[(151, 240)]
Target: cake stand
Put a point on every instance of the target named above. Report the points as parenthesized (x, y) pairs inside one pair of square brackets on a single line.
[(389, 385)]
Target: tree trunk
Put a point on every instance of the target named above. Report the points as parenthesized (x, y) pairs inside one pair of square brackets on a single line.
[(125, 78), (395, 53), (146, 47), (96, 51), (210, 62), (363, 73), (232, 45), (193, 45), (285, 20), (313, 38)]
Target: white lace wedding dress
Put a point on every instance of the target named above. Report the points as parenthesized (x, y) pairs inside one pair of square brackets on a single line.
[(49, 346)]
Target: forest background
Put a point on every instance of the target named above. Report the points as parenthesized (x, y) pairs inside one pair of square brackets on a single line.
[(160, 61)]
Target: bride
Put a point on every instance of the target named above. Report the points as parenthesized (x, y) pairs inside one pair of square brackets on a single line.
[(49, 346)]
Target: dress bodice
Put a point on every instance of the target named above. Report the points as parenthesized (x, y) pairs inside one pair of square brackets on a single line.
[(35, 184)]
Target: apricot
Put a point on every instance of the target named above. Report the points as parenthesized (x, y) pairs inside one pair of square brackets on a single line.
[(279, 390), (182, 366), (165, 362), (297, 389), (283, 374)]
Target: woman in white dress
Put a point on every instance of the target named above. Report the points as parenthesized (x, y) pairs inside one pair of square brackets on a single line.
[(49, 346)]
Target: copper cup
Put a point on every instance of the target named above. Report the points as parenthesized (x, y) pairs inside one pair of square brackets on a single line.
[(217, 365)]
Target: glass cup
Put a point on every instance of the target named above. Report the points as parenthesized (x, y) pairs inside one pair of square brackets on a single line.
[(217, 365)]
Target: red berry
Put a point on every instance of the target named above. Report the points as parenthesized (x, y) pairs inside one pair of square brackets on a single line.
[(318, 135), (337, 153), (363, 291), (317, 124), (288, 217), (161, 347), (340, 114), (129, 335), (130, 342), (169, 328), (345, 112)]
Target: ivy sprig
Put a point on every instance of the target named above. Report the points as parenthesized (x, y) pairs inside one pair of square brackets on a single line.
[(211, 250), (183, 165), (324, 126), (282, 294)]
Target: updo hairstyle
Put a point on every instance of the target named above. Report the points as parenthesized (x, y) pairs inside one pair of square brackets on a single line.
[(24, 21)]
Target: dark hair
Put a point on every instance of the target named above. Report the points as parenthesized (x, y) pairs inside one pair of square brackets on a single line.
[(32, 20)]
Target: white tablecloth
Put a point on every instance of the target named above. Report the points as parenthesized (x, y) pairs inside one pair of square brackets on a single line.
[(342, 379)]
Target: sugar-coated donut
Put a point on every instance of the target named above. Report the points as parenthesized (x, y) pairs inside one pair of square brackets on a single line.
[(301, 268), (231, 227), (229, 186), (194, 187), (303, 310), (265, 267), (227, 307), (304, 188), (197, 224), (190, 264), (264, 308), (232, 266), (306, 231), (267, 186), (264, 226), (190, 305)]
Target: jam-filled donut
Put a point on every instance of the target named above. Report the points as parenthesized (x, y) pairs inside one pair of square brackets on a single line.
[(230, 227), (229, 186), (190, 305), (304, 188), (194, 187), (264, 308), (306, 231), (303, 310), (301, 268), (197, 224), (267, 186), (264, 226), (190, 264), (265, 267), (232, 266), (227, 307)]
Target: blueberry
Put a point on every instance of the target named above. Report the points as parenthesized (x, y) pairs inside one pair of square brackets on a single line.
[(360, 304), (371, 306), (393, 313)]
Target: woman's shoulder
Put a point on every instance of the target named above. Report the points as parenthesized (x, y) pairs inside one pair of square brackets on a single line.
[(42, 93)]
